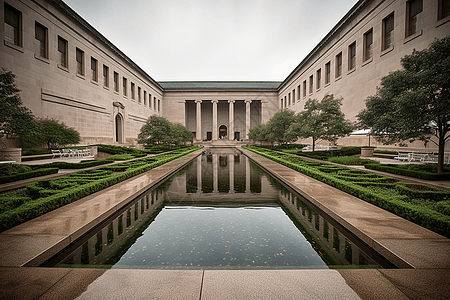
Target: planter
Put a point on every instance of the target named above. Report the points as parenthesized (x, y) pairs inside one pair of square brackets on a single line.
[(11, 154), (367, 152)]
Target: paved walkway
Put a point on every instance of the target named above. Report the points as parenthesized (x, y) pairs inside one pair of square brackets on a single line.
[(424, 255)]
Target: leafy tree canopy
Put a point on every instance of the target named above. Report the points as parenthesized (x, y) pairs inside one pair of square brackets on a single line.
[(258, 133), (413, 102), (159, 130), (278, 126)]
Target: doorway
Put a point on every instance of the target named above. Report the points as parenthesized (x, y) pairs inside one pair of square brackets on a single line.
[(223, 132), (119, 128)]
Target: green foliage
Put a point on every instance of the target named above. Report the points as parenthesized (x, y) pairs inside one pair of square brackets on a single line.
[(414, 190), (443, 207), (276, 129), (410, 172), (373, 188), (47, 195), (13, 169), (350, 160), (28, 174), (386, 152), (35, 151), (324, 155), (259, 133), (322, 120), (159, 131), (14, 117), (413, 103)]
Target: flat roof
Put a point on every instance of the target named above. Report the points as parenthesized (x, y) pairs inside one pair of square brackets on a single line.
[(227, 85)]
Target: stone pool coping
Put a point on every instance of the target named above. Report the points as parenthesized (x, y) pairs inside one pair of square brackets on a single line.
[(36, 240)]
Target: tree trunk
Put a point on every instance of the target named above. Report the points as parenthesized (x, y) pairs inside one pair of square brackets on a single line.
[(441, 153), (314, 144)]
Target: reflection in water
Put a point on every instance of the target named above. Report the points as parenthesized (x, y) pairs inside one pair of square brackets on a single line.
[(221, 211)]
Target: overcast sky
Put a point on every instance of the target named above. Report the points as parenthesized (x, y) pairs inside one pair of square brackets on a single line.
[(207, 40)]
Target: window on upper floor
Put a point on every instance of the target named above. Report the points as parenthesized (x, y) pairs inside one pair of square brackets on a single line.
[(94, 72), (352, 56), (40, 34), (414, 17), (327, 72), (318, 78), (139, 94), (13, 25), (293, 96), (145, 98), (62, 52), (444, 9), (132, 91), (298, 92), (304, 88), (311, 84), (105, 76), (368, 43), (339, 65), (116, 81), (80, 62), (388, 32), (125, 86)]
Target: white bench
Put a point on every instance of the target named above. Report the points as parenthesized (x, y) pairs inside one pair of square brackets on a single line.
[(402, 156)]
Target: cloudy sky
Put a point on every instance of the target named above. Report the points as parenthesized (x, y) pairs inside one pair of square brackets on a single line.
[(226, 40)]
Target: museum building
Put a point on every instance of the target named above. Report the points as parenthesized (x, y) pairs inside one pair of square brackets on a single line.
[(68, 71)]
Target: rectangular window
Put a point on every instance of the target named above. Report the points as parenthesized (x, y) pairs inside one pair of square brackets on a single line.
[(352, 56), (368, 42), (132, 91), (339, 65), (40, 33), (94, 73), (62, 52), (80, 62), (444, 9), (414, 21), (285, 101), (159, 105), (304, 88), (298, 92), (149, 100), (105, 76), (388, 32), (125, 86), (311, 84), (293, 96), (13, 20), (154, 103), (139, 94), (116, 82), (145, 98), (289, 97), (281, 103), (327, 73), (319, 78)]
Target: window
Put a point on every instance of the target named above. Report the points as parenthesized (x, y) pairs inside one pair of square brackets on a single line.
[(94, 76), (13, 20), (444, 9), (414, 21), (304, 88), (80, 62), (388, 32), (62, 52), (159, 105), (124, 86), (319, 78), (105, 76), (298, 92), (368, 41), (327, 73), (132, 91), (116, 82), (285, 102), (352, 56), (339, 65), (139, 94), (40, 33), (145, 98), (293, 96), (311, 84), (281, 103), (154, 103), (289, 97), (149, 100)]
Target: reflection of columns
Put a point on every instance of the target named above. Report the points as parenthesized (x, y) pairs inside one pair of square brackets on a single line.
[(231, 170), (199, 173), (247, 117), (247, 175), (214, 117), (215, 173), (199, 120), (231, 120)]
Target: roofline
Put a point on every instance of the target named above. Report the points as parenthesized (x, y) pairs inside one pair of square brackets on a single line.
[(68, 11), (344, 19), (194, 89)]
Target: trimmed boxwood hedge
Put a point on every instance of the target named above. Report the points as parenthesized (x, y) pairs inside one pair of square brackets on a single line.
[(397, 204), (414, 190), (47, 195), (394, 169), (26, 175)]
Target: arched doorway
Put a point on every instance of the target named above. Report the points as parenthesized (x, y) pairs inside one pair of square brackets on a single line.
[(223, 135), (119, 128)]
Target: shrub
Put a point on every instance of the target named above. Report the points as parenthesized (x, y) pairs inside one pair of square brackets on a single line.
[(30, 174), (350, 160), (443, 207), (386, 152), (414, 190), (399, 170)]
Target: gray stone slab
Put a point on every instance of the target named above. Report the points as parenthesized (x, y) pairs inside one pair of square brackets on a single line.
[(275, 284), (145, 284)]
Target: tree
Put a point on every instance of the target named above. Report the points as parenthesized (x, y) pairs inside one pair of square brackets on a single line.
[(179, 134), (322, 120), (156, 131), (414, 102), (258, 133), (14, 117), (278, 125)]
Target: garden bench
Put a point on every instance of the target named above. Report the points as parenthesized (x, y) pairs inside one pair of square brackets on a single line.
[(402, 156), (56, 153), (413, 156)]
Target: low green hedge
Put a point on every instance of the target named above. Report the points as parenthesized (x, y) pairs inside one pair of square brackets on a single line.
[(397, 203), (386, 152), (443, 207), (47, 195), (29, 174), (324, 155), (399, 170), (414, 190)]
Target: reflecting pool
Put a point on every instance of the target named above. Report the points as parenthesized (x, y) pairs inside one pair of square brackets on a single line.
[(219, 212)]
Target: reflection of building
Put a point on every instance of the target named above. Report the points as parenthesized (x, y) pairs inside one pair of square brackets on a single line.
[(68, 71)]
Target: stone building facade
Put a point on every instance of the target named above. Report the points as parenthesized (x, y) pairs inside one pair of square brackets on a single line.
[(69, 71)]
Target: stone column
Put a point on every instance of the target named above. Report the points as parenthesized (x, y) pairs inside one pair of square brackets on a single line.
[(231, 119), (199, 120), (247, 175), (199, 174), (214, 116), (231, 168), (247, 117), (215, 173)]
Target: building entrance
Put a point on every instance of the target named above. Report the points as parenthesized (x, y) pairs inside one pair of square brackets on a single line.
[(223, 132)]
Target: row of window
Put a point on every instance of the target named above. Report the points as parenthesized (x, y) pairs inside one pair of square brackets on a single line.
[(13, 31), (413, 27)]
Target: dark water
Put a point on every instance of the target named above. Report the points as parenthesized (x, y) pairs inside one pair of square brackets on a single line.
[(220, 212)]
